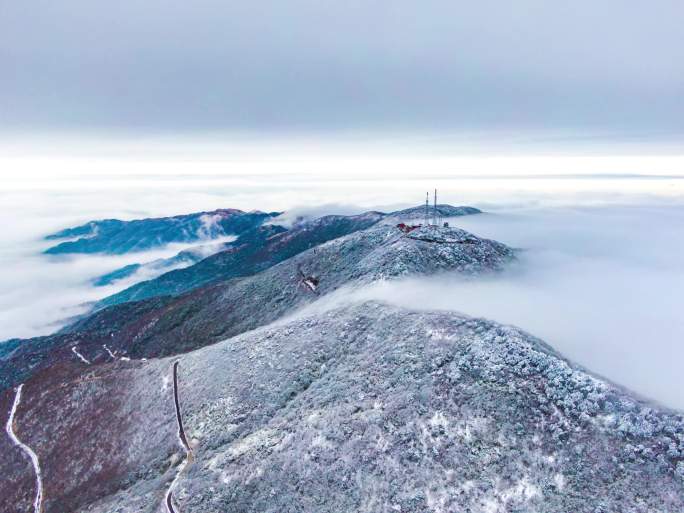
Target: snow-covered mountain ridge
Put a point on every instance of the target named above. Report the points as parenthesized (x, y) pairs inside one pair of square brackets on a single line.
[(250, 394), (171, 325), (366, 407)]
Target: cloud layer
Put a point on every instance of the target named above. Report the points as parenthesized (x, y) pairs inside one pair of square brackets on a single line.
[(306, 65)]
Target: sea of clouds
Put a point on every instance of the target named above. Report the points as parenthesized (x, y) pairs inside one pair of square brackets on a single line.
[(599, 276)]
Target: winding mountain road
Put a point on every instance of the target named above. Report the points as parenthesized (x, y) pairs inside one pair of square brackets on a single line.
[(38, 500), (168, 498)]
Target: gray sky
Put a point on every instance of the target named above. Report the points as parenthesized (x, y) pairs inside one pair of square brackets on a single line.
[(600, 67)]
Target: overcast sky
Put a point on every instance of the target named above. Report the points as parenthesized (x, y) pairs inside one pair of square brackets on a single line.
[(611, 68)]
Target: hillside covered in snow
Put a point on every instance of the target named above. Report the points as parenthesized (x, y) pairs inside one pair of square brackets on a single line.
[(252, 382), (367, 407)]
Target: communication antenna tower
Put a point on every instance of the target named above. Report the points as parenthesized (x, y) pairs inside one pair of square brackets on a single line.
[(436, 218), (427, 215)]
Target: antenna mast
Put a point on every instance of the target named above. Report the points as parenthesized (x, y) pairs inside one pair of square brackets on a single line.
[(427, 199), (436, 222)]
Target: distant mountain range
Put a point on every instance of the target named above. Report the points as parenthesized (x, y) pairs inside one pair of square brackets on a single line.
[(160, 266), (253, 251), (256, 248), (116, 237)]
